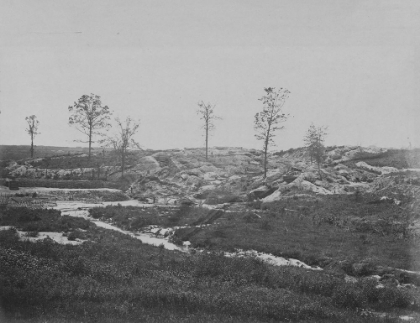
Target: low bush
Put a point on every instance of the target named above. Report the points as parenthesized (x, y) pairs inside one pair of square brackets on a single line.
[(36, 220), (120, 279), (220, 196)]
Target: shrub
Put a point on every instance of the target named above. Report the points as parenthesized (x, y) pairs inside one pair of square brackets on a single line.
[(393, 297), (265, 225), (349, 296), (220, 196), (32, 234)]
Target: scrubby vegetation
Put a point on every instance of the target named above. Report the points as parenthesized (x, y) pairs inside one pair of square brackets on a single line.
[(37, 220), (135, 218), (102, 195), (319, 230), (116, 278), (220, 196)]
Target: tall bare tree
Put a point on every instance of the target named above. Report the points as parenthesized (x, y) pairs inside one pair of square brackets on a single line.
[(32, 130), (89, 117), (267, 121), (206, 113), (314, 142), (123, 140)]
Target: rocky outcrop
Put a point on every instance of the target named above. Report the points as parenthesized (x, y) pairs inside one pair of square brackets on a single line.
[(175, 174)]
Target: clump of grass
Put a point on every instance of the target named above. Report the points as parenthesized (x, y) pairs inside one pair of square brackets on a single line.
[(37, 220), (142, 282), (134, 218), (220, 196), (325, 228)]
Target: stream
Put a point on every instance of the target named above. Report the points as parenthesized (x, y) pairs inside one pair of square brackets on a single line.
[(81, 209)]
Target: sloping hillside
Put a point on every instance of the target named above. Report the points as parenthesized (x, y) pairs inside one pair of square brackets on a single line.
[(230, 174)]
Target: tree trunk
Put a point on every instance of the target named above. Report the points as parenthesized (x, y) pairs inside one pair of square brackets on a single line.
[(207, 141), (122, 163), (90, 140), (267, 137), (265, 157), (319, 170), (32, 146)]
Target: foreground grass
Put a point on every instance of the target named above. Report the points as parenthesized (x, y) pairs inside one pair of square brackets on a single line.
[(36, 220), (116, 278)]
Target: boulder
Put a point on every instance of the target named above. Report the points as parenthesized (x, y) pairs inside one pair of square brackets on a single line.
[(380, 170), (208, 188), (234, 178), (308, 186), (19, 171), (194, 172), (261, 192), (208, 168), (147, 164), (276, 196), (193, 180), (210, 176), (274, 176)]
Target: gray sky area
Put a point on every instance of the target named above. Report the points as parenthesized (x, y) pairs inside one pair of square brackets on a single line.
[(350, 65)]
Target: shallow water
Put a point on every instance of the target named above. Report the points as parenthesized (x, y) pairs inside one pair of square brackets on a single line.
[(144, 237), (81, 209), (156, 236)]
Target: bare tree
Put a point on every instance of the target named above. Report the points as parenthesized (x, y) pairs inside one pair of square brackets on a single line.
[(89, 117), (206, 113), (123, 140), (314, 143), (32, 130), (267, 121)]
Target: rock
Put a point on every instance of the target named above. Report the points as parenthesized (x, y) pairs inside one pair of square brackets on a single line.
[(380, 170), (276, 196), (289, 178), (208, 188), (274, 177), (234, 178), (208, 168), (261, 192), (309, 176), (147, 164), (307, 186), (210, 176), (19, 171), (194, 171)]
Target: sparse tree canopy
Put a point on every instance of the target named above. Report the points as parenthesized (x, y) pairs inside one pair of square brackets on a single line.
[(32, 130), (206, 113), (314, 143), (89, 117), (123, 140), (267, 121)]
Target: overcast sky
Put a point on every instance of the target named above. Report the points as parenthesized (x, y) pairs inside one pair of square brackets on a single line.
[(350, 65)]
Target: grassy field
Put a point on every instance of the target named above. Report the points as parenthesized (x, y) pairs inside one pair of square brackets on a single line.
[(133, 218), (116, 278), (320, 231)]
